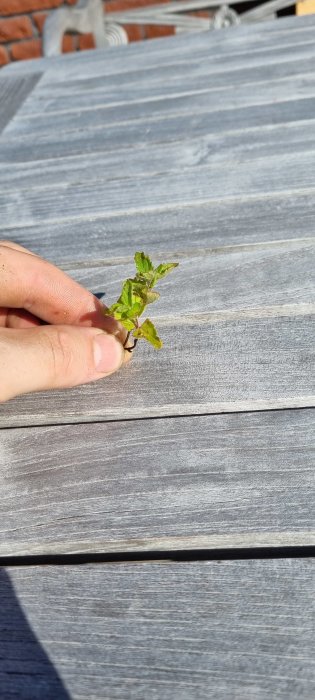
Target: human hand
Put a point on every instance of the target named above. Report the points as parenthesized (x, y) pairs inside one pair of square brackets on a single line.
[(53, 333)]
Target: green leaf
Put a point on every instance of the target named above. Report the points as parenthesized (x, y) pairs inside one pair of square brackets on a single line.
[(139, 287), (148, 331), (136, 310), (136, 294), (163, 270), (146, 279), (115, 310), (146, 295), (128, 323), (121, 312), (127, 296), (151, 297), (143, 263)]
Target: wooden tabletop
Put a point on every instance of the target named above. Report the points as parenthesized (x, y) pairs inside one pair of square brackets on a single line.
[(156, 526)]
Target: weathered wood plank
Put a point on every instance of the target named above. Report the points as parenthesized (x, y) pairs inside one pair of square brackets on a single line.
[(287, 31), (238, 480), (253, 277), (217, 56), (227, 151), (208, 101), (154, 83), (289, 174), (25, 668), (192, 630), (212, 363), (240, 122), (13, 92), (171, 231)]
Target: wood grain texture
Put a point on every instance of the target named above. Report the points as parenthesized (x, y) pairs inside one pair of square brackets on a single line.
[(288, 174), (228, 150), (242, 123), (13, 92), (209, 151), (239, 480), (218, 178), (192, 631), (156, 83), (226, 280), (193, 228), (197, 102), (220, 57), (244, 361)]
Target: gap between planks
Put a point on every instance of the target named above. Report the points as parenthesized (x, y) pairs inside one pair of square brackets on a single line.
[(97, 421), (40, 420), (164, 556), (227, 542)]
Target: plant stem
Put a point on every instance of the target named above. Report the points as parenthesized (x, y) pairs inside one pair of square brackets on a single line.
[(132, 346), (126, 340)]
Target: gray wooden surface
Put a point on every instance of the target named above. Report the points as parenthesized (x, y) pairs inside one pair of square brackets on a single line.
[(199, 149), (211, 363), (64, 202), (106, 90), (205, 100), (242, 480), (233, 630), (142, 134), (196, 229), (13, 92)]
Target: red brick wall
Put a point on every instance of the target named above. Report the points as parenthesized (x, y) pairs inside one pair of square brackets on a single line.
[(21, 23)]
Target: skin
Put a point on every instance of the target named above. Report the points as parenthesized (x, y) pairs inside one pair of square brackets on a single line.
[(53, 333)]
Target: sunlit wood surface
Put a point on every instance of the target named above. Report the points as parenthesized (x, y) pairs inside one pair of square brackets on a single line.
[(199, 149)]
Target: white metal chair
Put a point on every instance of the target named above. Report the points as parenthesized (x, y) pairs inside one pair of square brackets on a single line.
[(108, 29)]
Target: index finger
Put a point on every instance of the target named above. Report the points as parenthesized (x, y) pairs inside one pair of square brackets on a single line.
[(16, 246), (31, 283)]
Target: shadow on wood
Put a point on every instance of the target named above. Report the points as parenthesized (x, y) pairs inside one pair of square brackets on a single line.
[(25, 669)]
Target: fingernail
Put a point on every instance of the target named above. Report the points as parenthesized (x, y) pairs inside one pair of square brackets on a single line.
[(108, 353)]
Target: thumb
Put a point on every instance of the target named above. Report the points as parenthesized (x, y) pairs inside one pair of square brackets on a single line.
[(55, 357)]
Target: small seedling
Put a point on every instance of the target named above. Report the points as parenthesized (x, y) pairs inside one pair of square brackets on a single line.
[(135, 295)]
